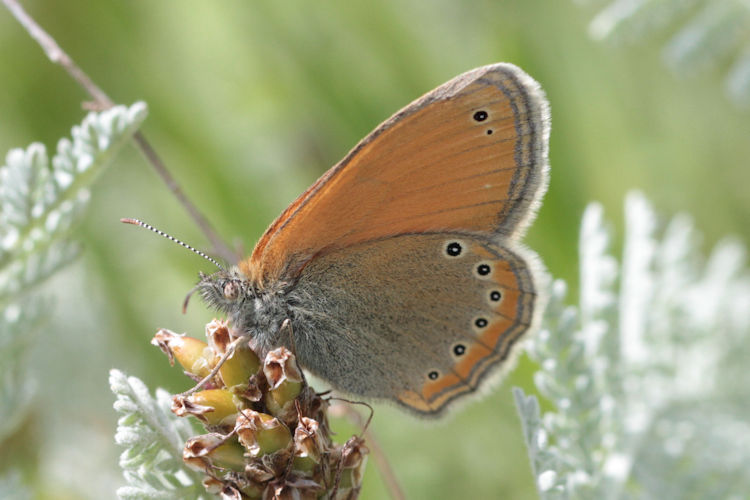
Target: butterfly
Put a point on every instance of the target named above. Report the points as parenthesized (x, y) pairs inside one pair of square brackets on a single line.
[(400, 270)]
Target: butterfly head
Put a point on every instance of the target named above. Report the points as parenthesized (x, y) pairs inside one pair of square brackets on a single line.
[(257, 313), (225, 290)]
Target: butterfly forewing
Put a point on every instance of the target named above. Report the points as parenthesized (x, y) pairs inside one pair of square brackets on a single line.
[(468, 156)]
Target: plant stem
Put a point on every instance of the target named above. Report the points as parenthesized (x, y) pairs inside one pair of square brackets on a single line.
[(381, 460), (58, 56)]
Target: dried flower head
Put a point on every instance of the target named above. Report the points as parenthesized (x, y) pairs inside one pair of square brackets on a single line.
[(268, 435)]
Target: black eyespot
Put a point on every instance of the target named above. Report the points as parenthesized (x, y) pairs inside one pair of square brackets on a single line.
[(480, 322), (480, 116), (433, 375), (453, 249), (495, 296), (459, 349), (483, 269), (489, 131)]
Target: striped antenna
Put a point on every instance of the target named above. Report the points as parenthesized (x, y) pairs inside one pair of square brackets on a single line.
[(152, 228)]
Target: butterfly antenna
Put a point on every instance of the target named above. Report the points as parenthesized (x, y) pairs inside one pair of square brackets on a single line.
[(137, 222)]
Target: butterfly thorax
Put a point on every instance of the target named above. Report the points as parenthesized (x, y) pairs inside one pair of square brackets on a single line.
[(254, 311)]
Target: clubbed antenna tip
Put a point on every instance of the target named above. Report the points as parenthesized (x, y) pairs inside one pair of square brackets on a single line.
[(137, 222)]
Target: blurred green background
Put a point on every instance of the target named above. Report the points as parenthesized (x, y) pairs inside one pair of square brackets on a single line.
[(249, 103)]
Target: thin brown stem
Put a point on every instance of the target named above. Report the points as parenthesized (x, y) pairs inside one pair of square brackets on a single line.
[(58, 56), (224, 357), (217, 244), (381, 460)]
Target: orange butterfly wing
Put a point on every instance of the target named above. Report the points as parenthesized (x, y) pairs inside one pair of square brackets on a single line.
[(468, 156)]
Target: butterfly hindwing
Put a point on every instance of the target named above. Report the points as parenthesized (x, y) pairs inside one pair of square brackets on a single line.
[(419, 319)]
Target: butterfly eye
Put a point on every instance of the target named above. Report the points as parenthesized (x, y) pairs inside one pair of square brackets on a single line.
[(231, 290)]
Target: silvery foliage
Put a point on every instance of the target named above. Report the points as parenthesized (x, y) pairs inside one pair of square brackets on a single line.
[(39, 203), (154, 438), (700, 35), (648, 375)]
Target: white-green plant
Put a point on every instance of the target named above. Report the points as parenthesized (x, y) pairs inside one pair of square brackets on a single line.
[(701, 35), (648, 376), (153, 439), (39, 203)]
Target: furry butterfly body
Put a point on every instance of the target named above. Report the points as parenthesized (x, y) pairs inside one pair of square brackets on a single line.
[(400, 270)]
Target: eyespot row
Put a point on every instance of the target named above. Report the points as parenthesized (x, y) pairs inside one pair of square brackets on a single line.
[(460, 349), (455, 249), (483, 269)]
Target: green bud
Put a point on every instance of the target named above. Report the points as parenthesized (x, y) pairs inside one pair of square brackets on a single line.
[(284, 378), (260, 433), (305, 465), (238, 369), (209, 450), (284, 394), (230, 455), (212, 406), (193, 355)]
